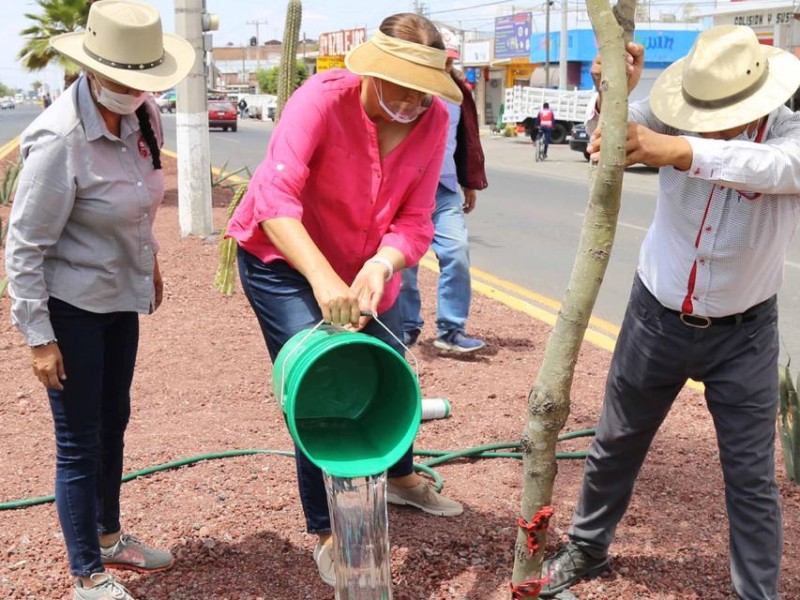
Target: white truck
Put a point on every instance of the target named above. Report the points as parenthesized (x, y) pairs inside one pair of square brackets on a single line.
[(522, 104)]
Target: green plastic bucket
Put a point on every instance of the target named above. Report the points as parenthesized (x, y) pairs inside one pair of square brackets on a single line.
[(352, 403)]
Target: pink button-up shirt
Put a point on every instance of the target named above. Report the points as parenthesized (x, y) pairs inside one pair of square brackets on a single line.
[(323, 167)]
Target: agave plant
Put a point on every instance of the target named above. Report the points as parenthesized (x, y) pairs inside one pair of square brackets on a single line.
[(229, 180), (789, 422)]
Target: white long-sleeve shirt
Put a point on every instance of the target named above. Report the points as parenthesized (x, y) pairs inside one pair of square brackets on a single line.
[(721, 230)]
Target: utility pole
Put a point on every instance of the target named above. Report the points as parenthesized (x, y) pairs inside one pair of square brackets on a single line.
[(258, 42), (562, 53), (547, 44), (194, 157)]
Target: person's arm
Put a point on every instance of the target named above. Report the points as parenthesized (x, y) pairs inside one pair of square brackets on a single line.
[(278, 185), (634, 59), (470, 199), (648, 147), (772, 167), (42, 205), (337, 302)]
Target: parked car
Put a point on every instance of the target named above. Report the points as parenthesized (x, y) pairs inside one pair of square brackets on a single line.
[(167, 101), (223, 114), (6, 103), (579, 139)]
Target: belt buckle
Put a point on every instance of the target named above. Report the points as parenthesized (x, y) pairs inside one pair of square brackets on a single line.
[(696, 321)]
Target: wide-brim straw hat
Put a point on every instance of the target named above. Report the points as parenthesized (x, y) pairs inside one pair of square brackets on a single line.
[(124, 42), (405, 63), (727, 80)]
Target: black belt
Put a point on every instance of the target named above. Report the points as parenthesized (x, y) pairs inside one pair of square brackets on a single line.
[(703, 322)]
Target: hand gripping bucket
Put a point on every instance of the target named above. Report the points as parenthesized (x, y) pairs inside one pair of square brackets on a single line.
[(351, 402)]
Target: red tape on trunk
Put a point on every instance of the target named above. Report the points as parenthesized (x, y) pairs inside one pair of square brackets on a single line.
[(527, 589), (540, 522)]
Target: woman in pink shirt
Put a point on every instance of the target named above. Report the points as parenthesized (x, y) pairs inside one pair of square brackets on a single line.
[(343, 202)]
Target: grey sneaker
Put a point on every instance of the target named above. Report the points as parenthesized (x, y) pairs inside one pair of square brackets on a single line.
[(323, 556), (569, 566), (129, 553), (107, 588), (423, 497)]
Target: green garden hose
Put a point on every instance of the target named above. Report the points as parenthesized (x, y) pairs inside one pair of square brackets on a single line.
[(440, 457)]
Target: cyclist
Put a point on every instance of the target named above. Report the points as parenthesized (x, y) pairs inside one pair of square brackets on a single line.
[(545, 120)]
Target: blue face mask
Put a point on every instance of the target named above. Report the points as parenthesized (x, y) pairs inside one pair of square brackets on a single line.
[(400, 111)]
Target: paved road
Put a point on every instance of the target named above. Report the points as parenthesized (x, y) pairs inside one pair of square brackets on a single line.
[(13, 122)]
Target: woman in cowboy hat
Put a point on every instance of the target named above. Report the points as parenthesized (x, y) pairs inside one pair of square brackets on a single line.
[(81, 262), (703, 304), (340, 205)]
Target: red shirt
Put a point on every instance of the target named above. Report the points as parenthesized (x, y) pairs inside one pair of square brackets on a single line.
[(546, 118), (323, 168)]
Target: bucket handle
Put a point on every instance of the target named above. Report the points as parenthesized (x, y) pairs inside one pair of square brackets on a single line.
[(366, 313), (282, 398)]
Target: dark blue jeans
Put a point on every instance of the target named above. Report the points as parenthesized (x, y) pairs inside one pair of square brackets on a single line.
[(284, 304), (90, 416), (548, 137)]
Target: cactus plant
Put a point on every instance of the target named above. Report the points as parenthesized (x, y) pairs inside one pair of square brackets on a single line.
[(288, 68), (789, 423), (225, 278)]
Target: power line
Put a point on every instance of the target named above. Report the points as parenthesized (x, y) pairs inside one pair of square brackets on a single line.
[(438, 12)]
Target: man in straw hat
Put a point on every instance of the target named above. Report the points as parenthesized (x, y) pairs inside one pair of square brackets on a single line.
[(341, 203), (703, 304), (81, 262)]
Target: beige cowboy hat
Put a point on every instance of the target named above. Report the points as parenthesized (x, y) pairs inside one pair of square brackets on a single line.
[(123, 41), (405, 63), (728, 79)]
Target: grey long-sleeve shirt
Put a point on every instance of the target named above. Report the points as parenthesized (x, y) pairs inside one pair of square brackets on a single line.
[(81, 226)]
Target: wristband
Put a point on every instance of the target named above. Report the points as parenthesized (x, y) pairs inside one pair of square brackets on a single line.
[(386, 263)]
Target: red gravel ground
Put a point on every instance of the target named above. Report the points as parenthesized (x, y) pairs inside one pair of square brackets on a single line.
[(203, 385)]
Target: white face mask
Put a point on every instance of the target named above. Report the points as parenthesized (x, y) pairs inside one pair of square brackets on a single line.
[(398, 110), (121, 104)]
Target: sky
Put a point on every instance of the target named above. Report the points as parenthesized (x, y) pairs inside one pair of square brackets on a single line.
[(238, 17)]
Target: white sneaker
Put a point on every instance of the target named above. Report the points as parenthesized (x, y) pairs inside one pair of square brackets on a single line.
[(107, 588)]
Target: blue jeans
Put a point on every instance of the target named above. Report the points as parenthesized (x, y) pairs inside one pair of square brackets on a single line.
[(548, 137), (454, 292), (90, 416), (284, 304)]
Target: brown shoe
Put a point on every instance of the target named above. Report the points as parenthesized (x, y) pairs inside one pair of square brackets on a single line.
[(425, 498)]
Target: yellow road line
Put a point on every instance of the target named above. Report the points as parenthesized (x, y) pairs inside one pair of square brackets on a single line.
[(507, 293), (8, 148)]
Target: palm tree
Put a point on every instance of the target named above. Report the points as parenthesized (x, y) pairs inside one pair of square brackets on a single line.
[(57, 17)]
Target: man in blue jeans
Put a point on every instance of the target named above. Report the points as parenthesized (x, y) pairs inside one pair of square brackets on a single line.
[(463, 167)]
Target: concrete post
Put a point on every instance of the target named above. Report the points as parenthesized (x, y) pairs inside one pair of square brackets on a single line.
[(194, 156), (562, 53)]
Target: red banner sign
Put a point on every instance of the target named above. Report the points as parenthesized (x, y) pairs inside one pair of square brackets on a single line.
[(339, 43)]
